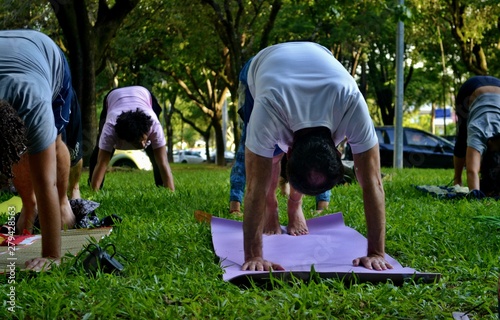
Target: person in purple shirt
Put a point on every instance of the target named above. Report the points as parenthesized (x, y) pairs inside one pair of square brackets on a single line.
[(129, 121)]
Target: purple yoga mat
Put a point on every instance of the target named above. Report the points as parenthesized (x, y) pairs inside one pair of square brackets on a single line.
[(329, 248)]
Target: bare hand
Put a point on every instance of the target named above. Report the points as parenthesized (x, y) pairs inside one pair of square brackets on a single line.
[(259, 264), (41, 264), (372, 262)]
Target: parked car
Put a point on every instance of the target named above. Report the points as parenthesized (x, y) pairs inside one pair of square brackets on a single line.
[(188, 156), (136, 159), (228, 155), (421, 149)]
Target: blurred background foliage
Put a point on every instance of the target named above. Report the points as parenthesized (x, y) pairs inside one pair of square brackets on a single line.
[(189, 53)]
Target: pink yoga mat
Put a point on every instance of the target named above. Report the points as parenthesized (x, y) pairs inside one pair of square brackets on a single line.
[(328, 249)]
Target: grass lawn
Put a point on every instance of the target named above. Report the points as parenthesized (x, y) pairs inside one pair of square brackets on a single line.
[(171, 270)]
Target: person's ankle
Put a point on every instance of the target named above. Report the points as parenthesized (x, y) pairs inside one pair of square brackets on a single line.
[(234, 207), (322, 205)]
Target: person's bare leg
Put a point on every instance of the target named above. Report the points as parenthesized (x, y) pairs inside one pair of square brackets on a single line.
[(75, 173), (321, 205), (296, 221), (235, 207), (24, 187), (284, 187), (63, 168), (272, 223)]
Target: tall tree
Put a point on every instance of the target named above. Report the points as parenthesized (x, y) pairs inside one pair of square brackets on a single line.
[(243, 29), (208, 43), (88, 29)]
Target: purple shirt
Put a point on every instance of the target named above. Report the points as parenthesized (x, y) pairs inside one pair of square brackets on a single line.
[(129, 99)]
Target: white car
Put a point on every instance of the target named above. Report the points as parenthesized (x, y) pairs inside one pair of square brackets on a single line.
[(188, 156), (136, 159)]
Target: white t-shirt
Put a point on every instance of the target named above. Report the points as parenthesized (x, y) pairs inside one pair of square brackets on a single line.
[(129, 99), (299, 85)]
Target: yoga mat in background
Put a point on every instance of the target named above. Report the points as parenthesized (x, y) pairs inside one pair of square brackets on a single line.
[(329, 248)]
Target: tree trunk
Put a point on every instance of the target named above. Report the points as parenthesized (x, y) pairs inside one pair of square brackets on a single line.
[(472, 53), (87, 46), (167, 115), (219, 143)]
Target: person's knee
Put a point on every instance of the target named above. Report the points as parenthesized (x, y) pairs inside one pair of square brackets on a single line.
[(28, 199)]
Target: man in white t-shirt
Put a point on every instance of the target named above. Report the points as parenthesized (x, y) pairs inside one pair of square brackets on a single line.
[(304, 104), (129, 121)]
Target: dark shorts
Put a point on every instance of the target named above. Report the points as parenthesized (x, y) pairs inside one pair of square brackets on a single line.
[(61, 105), (68, 117), (72, 133)]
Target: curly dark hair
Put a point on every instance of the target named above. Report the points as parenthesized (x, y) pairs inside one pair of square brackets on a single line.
[(131, 126), (314, 165), (490, 168), (13, 138)]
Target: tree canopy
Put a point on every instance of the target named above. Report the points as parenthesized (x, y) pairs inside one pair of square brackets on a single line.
[(190, 52)]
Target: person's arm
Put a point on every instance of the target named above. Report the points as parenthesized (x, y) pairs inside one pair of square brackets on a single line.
[(458, 165), (103, 159), (473, 160), (258, 175), (165, 172), (367, 166), (43, 170)]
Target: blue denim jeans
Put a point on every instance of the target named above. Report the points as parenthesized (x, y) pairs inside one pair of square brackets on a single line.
[(237, 178)]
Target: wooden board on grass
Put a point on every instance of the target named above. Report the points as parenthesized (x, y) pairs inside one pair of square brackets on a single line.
[(72, 241)]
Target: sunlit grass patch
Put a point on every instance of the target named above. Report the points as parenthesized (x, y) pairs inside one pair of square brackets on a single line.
[(171, 271)]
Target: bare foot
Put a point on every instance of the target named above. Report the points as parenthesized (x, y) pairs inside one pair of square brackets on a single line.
[(297, 225), (68, 219), (26, 221), (41, 264), (272, 224)]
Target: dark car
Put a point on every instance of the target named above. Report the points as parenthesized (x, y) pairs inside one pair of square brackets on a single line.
[(421, 149)]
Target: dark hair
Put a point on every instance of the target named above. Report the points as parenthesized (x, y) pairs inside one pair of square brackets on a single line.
[(314, 165), (132, 125), (13, 138), (490, 168)]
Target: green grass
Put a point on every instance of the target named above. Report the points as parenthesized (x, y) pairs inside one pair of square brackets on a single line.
[(171, 270)]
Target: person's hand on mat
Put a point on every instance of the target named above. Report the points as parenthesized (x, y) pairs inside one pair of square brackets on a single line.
[(41, 264), (372, 262), (259, 264)]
